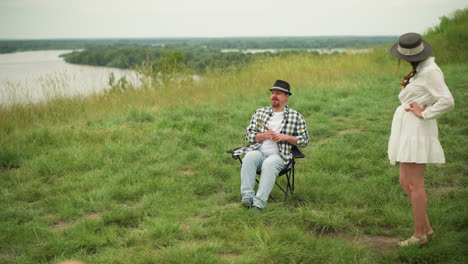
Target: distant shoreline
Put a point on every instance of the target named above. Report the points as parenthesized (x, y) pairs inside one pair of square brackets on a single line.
[(212, 43), (202, 37)]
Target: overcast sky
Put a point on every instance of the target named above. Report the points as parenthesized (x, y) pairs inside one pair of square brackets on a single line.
[(34, 19)]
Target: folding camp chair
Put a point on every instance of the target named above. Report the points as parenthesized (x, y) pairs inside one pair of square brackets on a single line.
[(288, 171)]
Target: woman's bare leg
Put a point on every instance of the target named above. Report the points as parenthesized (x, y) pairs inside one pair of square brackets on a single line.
[(412, 181)]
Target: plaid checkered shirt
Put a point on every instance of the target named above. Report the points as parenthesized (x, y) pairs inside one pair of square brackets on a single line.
[(293, 124)]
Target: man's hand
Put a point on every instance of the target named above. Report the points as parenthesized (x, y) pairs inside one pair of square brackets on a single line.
[(269, 134), (264, 136), (272, 135), (278, 137)]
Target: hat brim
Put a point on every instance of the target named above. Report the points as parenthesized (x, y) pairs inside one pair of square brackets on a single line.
[(281, 90), (427, 51)]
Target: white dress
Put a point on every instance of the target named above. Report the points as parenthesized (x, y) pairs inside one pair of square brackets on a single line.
[(414, 139)]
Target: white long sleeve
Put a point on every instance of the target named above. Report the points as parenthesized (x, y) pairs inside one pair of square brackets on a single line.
[(436, 87)]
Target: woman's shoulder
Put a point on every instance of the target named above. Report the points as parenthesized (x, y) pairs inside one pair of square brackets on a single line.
[(430, 67)]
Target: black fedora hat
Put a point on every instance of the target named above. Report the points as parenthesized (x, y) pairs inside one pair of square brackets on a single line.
[(281, 86), (411, 47)]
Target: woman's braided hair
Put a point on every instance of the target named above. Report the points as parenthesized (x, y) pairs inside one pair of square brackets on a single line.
[(407, 77)]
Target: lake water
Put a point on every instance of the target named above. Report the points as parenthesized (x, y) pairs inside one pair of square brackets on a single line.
[(319, 51), (35, 76)]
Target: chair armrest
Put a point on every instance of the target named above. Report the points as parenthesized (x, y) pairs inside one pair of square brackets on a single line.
[(234, 156), (297, 154), (231, 151)]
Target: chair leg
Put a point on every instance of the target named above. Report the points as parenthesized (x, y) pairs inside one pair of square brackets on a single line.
[(283, 190), (292, 180), (288, 185), (289, 179), (289, 189), (272, 198)]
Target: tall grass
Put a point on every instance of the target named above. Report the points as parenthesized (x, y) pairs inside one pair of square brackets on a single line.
[(142, 177), (450, 37)]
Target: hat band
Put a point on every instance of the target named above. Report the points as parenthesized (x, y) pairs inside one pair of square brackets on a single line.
[(280, 88), (411, 52)]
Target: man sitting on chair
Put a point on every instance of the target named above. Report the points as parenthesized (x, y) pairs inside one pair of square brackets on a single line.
[(272, 132)]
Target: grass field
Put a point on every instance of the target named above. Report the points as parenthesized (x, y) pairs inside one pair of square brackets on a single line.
[(142, 176)]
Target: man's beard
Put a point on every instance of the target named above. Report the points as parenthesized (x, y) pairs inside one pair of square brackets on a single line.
[(275, 103)]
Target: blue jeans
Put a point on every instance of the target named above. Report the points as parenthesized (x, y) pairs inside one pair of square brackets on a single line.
[(270, 166)]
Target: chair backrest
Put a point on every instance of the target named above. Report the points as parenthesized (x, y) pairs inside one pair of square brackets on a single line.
[(297, 154)]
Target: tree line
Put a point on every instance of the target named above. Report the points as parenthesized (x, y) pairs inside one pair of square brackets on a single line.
[(199, 55), (198, 60), (209, 43), (202, 55)]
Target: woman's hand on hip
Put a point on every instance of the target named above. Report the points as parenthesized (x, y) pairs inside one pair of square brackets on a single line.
[(416, 109)]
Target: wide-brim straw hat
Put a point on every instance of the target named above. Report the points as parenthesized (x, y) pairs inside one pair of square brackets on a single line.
[(411, 47)]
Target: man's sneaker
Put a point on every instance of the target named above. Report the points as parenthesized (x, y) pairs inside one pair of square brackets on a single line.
[(247, 202), (256, 210)]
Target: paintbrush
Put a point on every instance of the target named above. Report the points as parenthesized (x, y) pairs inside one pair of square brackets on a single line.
[(263, 124)]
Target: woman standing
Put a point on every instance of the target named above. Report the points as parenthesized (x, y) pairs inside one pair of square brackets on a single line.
[(414, 135)]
